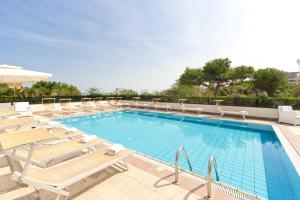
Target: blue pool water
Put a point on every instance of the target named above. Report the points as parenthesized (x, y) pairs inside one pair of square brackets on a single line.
[(249, 156)]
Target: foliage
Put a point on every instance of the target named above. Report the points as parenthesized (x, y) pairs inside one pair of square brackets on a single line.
[(123, 91), (93, 91), (5, 90), (217, 71), (219, 77), (52, 88), (242, 73), (296, 90), (191, 76), (216, 75), (270, 80), (243, 88), (178, 90)]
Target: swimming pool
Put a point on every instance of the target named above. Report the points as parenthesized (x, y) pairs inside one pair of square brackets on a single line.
[(249, 156)]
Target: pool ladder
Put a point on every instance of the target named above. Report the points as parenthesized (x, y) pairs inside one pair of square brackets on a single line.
[(176, 162), (211, 162)]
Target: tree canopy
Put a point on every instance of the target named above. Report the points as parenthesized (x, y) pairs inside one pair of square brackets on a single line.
[(93, 91), (42, 88), (220, 77), (217, 74), (123, 91), (270, 80)]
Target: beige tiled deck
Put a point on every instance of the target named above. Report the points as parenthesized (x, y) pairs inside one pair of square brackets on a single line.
[(139, 182)]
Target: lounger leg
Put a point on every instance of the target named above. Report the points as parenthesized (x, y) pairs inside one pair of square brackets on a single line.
[(244, 117), (123, 166), (11, 163), (127, 168), (41, 195), (221, 115)]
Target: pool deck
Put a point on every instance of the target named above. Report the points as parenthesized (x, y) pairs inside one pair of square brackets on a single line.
[(143, 181), (146, 179)]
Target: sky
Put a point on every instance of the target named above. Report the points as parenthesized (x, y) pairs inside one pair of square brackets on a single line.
[(145, 45)]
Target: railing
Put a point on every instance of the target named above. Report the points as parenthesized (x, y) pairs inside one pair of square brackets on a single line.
[(265, 102), (176, 162), (212, 160)]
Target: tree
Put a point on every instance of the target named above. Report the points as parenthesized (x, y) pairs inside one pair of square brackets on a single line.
[(270, 80), (5, 90), (191, 76), (178, 90), (242, 73), (217, 71), (216, 75), (52, 88), (123, 91), (296, 90), (93, 91)]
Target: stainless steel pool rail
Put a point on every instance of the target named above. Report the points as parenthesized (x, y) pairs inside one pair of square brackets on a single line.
[(181, 148), (211, 161)]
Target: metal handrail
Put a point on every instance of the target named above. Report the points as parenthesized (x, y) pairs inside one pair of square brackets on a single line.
[(211, 160), (176, 161)]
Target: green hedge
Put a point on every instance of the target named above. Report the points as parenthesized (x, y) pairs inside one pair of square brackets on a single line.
[(267, 102)]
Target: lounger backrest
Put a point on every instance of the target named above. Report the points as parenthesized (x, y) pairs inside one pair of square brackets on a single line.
[(22, 106)]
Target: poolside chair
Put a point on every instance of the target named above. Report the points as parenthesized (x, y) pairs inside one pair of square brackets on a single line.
[(184, 108), (52, 109), (59, 177), (106, 105), (23, 108), (166, 107), (67, 106), (43, 156), (88, 105), (4, 114), (19, 138), (241, 113), (136, 104), (288, 115), (99, 105), (114, 102), (17, 123)]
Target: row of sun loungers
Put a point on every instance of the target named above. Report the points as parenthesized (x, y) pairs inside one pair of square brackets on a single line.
[(53, 159), (66, 107)]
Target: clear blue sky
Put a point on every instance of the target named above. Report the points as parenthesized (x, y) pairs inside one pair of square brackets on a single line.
[(143, 44)]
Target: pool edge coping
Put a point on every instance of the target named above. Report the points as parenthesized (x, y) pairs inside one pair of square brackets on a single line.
[(289, 149)]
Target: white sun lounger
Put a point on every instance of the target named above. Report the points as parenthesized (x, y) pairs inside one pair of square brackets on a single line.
[(241, 113), (59, 177), (43, 156), (88, 104), (17, 123), (4, 114), (184, 108), (163, 107)]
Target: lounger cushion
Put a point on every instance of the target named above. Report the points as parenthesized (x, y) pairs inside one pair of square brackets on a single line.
[(66, 172)]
